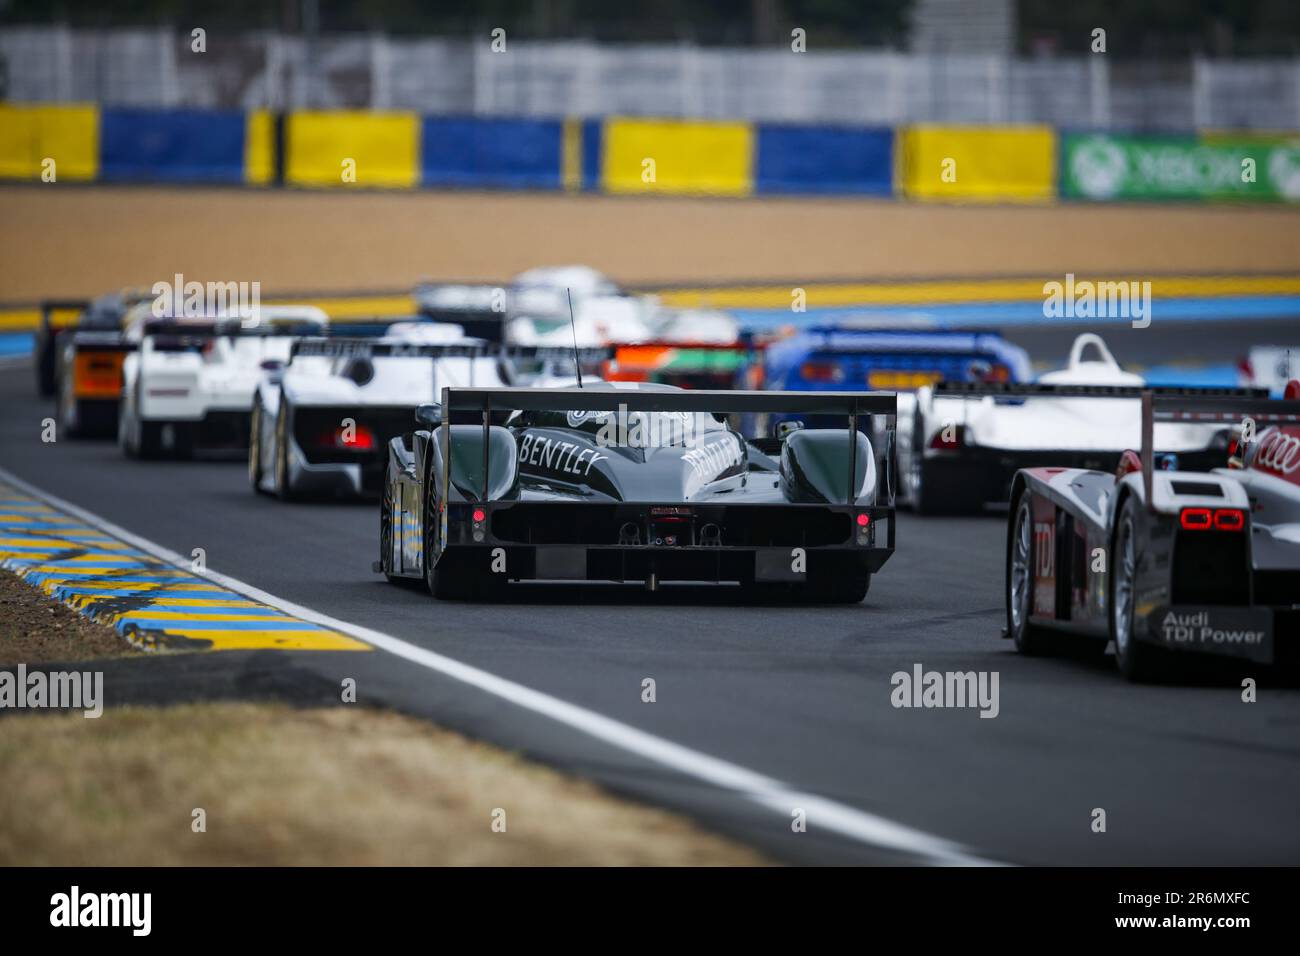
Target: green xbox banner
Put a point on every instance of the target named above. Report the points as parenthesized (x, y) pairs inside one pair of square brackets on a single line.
[(1108, 166)]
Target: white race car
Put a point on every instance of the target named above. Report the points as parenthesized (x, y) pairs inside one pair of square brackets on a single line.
[(529, 309), (191, 379), (1270, 367), (967, 440), (597, 320), (321, 424)]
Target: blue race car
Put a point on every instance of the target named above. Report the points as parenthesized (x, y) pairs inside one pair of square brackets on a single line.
[(839, 359), (901, 361), (845, 359)]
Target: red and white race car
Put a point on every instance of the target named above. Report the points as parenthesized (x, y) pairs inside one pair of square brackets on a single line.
[(1166, 563)]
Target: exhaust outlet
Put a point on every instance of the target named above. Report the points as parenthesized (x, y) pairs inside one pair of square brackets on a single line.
[(710, 536)]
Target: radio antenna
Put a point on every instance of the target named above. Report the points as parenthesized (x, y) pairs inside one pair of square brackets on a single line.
[(573, 326)]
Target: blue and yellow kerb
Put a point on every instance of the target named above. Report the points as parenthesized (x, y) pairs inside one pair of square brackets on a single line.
[(150, 603)]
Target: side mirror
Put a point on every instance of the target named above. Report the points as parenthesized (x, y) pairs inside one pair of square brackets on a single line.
[(429, 415), (787, 428)]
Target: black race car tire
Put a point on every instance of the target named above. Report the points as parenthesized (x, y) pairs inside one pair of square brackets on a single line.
[(1138, 661), (255, 448), (386, 538), (283, 485), (447, 580), (184, 435), (150, 447), (47, 382), (66, 414), (1029, 638)]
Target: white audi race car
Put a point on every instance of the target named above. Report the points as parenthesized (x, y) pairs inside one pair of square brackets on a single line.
[(320, 424), (968, 439), (1171, 565), (190, 380)]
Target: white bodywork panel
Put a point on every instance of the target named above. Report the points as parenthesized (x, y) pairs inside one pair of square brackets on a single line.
[(396, 380), (1075, 424), (184, 386)]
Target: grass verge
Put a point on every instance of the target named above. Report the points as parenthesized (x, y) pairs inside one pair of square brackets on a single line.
[(336, 786)]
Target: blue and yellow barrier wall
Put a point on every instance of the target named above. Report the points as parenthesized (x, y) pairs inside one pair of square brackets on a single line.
[(618, 155), (342, 148)]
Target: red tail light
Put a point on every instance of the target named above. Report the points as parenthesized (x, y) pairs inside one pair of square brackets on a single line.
[(950, 436), (1218, 519), (864, 520), (996, 373), (479, 515), (355, 438), (1229, 519), (821, 372)]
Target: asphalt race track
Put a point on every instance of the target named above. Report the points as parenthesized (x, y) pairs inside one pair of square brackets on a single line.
[(1186, 774)]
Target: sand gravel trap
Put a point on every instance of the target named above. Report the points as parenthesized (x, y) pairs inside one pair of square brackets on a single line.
[(82, 240)]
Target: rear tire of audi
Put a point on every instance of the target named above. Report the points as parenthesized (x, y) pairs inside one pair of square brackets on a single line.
[(1138, 661), (1029, 638)]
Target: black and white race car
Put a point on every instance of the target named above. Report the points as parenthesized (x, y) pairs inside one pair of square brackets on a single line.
[(1168, 564), (632, 482), (968, 439), (322, 421)]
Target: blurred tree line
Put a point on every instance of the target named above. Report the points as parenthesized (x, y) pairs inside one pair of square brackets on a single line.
[(1172, 28), (741, 22), (1162, 28)]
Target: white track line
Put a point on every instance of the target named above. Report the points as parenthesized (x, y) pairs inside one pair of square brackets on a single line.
[(746, 784)]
